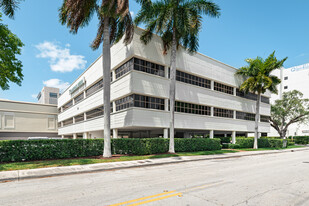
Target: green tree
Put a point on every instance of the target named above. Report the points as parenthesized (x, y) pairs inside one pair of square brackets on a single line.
[(114, 21), (10, 66), (178, 22), (258, 79), (9, 6), (292, 108)]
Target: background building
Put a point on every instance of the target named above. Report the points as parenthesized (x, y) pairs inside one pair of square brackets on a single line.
[(48, 95), (294, 78), (20, 120), (207, 99)]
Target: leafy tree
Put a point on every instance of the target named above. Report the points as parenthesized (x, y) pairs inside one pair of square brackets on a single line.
[(9, 7), (178, 22), (259, 80), (114, 22), (10, 66), (291, 109)]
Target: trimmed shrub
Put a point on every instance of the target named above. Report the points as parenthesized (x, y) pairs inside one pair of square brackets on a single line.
[(245, 142), (301, 139), (196, 144), (233, 146), (225, 139), (262, 143), (26, 150), (142, 146)]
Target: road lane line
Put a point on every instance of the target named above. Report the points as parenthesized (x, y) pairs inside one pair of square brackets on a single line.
[(143, 198), (156, 199)]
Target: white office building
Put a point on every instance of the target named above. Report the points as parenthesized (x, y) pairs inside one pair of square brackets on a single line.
[(48, 95), (207, 99), (294, 78)]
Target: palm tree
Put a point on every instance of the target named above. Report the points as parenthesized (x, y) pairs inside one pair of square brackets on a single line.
[(9, 7), (259, 80), (114, 21), (178, 22)]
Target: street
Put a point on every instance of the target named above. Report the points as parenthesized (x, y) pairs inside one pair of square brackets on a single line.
[(274, 179)]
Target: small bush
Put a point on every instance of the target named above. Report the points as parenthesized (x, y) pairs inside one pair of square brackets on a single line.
[(262, 142), (196, 144), (233, 146), (225, 139), (301, 139)]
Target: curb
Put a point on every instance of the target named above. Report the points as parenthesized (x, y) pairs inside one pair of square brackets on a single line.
[(17, 175)]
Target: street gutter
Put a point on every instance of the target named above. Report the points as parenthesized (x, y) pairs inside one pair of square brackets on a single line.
[(17, 175)]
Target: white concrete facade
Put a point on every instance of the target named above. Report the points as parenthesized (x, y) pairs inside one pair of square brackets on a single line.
[(135, 121), (294, 78)]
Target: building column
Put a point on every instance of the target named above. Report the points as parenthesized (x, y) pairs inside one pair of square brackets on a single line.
[(211, 134), (115, 133), (165, 133), (212, 84), (233, 137), (211, 111), (234, 91), (166, 105), (166, 72), (62, 136), (74, 136), (259, 135), (114, 106), (84, 92), (85, 135), (114, 75), (234, 114)]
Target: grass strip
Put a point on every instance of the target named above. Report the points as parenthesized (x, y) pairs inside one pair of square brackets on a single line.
[(94, 160)]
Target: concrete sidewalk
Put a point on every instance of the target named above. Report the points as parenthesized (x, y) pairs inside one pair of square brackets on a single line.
[(67, 170)]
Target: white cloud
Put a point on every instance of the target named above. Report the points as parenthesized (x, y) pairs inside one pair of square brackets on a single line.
[(132, 13), (57, 83), (60, 59), (34, 96)]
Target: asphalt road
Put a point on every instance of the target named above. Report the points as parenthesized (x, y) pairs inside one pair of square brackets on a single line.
[(276, 179)]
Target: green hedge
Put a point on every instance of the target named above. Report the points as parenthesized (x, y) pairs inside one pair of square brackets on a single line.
[(26, 150), (262, 143), (225, 139), (301, 139)]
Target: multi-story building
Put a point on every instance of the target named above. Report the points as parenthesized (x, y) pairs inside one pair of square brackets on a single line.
[(48, 95), (20, 120), (294, 78), (207, 99)]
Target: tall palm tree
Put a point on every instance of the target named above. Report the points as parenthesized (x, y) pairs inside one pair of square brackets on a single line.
[(9, 7), (178, 22), (114, 21), (259, 80)]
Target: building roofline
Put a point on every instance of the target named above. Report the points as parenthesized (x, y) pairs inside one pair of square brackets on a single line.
[(157, 36), (32, 103)]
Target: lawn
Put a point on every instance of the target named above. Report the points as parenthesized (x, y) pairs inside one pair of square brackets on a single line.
[(93, 160)]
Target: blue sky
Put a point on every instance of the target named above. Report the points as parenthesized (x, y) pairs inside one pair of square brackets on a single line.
[(247, 28)]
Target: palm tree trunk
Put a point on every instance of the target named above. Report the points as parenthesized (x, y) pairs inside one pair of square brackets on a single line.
[(257, 118), (172, 93), (106, 88)]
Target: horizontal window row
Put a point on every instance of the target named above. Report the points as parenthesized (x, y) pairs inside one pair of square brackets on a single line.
[(192, 79), (223, 88), (136, 100), (219, 112), (192, 108), (251, 96), (140, 65), (264, 118), (245, 116)]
